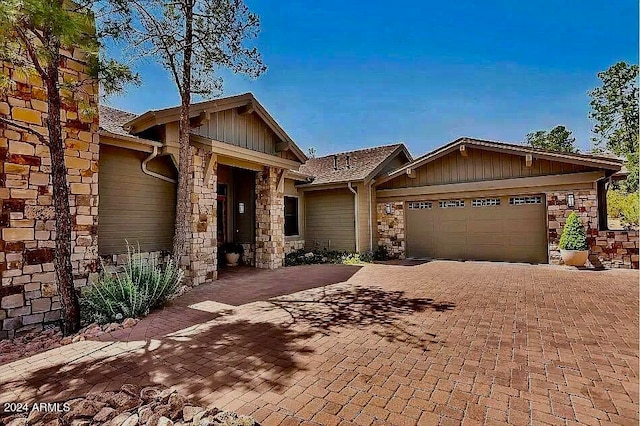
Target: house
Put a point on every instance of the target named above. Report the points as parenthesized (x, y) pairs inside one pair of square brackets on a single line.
[(339, 201), (250, 183), (486, 200), (242, 164)]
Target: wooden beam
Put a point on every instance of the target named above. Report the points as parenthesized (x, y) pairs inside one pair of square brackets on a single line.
[(464, 151), (280, 186), (282, 146), (528, 182), (197, 121), (528, 160), (246, 109)]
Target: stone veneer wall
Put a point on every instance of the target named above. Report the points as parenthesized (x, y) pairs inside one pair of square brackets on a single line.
[(202, 247), (28, 291), (248, 254), (391, 229), (293, 245), (613, 249), (269, 219)]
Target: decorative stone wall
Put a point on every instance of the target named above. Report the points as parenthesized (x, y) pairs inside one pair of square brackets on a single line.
[(248, 254), (116, 262), (28, 291), (293, 245), (202, 247), (269, 219), (391, 229), (612, 249)]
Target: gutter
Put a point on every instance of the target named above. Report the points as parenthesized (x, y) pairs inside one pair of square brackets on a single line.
[(355, 201), (146, 171)]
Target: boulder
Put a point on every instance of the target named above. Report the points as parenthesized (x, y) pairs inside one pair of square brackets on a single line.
[(189, 411), (129, 322), (132, 420), (119, 419), (105, 414), (150, 393)]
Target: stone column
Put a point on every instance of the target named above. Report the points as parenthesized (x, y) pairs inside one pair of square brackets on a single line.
[(269, 218), (391, 232), (202, 247)]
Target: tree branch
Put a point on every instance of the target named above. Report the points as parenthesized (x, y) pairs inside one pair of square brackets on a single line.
[(40, 136)]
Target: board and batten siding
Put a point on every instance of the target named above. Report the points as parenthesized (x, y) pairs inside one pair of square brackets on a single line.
[(479, 165), (243, 130), (134, 206), (330, 220)]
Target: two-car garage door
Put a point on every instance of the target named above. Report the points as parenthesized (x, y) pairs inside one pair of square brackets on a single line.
[(509, 229)]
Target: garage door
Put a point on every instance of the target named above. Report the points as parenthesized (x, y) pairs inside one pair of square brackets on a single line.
[(509, 229), (330, 220)]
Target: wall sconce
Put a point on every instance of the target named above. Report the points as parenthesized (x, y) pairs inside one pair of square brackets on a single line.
[(241, 208), (571, 201), (387, 208)]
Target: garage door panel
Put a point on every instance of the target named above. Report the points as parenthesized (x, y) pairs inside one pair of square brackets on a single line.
[(515, 233)]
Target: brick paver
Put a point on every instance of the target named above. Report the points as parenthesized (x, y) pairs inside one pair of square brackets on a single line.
[(439, 342)]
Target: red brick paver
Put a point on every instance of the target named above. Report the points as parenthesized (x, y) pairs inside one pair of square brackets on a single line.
[(433, 343)]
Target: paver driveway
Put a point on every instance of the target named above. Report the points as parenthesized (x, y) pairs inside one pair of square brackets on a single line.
[(440, 342)]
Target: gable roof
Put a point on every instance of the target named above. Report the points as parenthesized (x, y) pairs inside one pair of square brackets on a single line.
[(364, 164), (112, 120), (600, 161), (245, 100)]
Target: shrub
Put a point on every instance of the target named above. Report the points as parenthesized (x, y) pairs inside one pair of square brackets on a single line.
[(314, 257), (142, 286), (573, 235), (232, 248), (629, 213), (624, 207), (381, 253)]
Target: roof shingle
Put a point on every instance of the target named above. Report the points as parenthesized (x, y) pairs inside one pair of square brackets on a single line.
[(112, 120), (361, 163)]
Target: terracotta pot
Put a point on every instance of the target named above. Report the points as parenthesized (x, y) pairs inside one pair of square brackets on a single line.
[(574, 257), (232, 258)]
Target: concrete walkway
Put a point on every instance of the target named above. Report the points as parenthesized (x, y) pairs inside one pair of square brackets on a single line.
[(432, 343)]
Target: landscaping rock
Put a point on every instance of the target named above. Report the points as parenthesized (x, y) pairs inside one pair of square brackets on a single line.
[(129, 322), (132, 406)]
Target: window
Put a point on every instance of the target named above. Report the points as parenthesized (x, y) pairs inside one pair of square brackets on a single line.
[(485, 202), (519, 201), (290, 216), (451, 203), (419, 205)]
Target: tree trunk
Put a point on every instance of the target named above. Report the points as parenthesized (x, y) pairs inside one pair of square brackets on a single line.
[(62, 256), (183, 208)]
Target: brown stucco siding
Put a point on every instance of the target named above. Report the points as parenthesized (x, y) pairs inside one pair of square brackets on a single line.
[(134, 206)]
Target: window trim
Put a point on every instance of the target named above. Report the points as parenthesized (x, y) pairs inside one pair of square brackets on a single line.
[(442, 204), (297, 198), (538, 200)]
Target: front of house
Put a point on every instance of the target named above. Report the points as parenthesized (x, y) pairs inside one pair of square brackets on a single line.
[(251, 184)]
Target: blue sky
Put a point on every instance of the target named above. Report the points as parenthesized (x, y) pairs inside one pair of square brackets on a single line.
[(351, 74)]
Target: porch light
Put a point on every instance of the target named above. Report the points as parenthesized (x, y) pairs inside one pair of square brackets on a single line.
[(387, 208), (571, 201), (241, 208)]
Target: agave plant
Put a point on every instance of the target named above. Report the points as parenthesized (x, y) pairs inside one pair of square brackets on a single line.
[(143, 285)]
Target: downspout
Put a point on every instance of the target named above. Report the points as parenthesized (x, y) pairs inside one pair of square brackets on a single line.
[(146, 171), (370, 217), (355, 200)]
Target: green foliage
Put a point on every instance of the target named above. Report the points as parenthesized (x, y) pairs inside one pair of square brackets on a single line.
[(194, 39), (556, 139), (31, 30), (381, 253), (623, 206), (573, 235), (614, 110), (302, 257), (232, 248), (143, 285)]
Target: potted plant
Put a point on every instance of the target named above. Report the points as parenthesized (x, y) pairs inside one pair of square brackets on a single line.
[(232, 253), (573, 242)]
